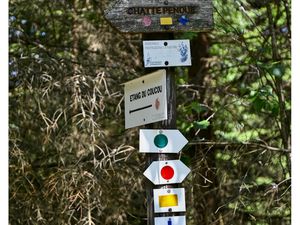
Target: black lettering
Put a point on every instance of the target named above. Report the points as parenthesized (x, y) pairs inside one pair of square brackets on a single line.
[(135, 96), (158, 10), (147, 11), (153, 10), (142, 11), (154, 90), (165, 10), (177, 9), (136, 10), (162, 10), (130, 11)]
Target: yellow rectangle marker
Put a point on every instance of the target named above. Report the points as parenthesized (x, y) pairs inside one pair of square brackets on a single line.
[(166, 21), (168, 200)]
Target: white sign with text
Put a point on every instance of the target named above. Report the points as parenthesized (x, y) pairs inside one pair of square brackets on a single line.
[(167, 53), (146, 99)]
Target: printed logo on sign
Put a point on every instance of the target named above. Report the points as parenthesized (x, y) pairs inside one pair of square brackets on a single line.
[(157, 104), (183, 49)]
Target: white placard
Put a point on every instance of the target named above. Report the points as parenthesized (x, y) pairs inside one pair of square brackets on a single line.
[(167, 172), (169, 200), (172, 220), (175, 141), (146, 99), (167, 53)]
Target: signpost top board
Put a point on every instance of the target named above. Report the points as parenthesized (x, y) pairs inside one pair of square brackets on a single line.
[(151, 16)]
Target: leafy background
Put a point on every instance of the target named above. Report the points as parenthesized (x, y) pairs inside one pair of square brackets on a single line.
[(72, 162)]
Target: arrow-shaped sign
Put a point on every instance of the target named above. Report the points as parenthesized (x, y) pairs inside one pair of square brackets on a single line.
[(161, 141), (141, 16), (167, 172)]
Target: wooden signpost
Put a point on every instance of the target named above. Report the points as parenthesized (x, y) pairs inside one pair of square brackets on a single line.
[(152, 16), (157, 20)]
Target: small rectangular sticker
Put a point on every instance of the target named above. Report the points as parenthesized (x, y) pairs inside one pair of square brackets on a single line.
[(166, 21), (168, 200)]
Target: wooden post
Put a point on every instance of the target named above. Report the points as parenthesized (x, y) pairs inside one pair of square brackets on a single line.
[(156, 20), (170, 123)]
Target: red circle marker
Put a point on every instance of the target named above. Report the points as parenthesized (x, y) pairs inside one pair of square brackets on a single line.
[(167, 172)]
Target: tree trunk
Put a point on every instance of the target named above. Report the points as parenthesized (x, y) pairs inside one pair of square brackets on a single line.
[(204, 179)]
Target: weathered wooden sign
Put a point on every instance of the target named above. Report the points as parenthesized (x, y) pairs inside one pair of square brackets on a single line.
[(149, 16)]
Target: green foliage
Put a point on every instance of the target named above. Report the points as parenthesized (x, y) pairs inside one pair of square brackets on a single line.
[(70, 159)]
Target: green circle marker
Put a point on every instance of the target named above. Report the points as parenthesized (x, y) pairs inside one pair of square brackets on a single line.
[(160, 140)]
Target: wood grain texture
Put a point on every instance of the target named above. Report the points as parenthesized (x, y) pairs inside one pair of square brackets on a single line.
[(144, 16)]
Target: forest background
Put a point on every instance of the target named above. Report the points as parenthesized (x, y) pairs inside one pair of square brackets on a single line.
[(70, 159)]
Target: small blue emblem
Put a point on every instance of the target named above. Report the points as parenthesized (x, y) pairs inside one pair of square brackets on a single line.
[(183, 20), (183, 49)]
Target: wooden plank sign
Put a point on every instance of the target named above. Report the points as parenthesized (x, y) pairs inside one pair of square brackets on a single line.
[(150, 16)]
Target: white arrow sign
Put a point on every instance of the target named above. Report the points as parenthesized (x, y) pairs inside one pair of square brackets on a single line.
[(161, 141), (167, 172)]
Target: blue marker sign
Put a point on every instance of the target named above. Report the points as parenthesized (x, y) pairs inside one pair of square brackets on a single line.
[(174, 220)]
